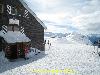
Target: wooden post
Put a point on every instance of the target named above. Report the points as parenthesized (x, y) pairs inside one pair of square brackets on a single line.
[(17, 50), (98, 45)]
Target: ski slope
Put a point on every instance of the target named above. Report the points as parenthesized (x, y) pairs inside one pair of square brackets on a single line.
[(62, 54)]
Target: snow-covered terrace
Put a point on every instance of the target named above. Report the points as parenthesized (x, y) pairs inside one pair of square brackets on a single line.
[(14, 37)]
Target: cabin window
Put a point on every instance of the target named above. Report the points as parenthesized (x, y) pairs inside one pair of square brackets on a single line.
[(13, 11), (1, 8), (13, 28)]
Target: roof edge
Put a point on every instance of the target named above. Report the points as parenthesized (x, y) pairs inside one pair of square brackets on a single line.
[(26, 6)]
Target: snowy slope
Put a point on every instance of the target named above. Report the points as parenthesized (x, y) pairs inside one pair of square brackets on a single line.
[(72, 37), (78, 38), (81, 58)]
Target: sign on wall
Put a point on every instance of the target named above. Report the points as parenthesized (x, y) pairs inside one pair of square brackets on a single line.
[(13, 21)]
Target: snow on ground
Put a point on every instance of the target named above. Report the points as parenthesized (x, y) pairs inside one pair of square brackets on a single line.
[(81, 58)]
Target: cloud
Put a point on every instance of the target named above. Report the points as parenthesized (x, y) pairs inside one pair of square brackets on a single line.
[(68, 15), (89, 18), (91, 7), (52, 28)]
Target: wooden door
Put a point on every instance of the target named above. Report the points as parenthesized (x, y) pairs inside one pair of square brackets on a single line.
[(13, 49)]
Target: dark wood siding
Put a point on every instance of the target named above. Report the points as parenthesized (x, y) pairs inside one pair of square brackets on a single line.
[(3, 16), (33, 29)]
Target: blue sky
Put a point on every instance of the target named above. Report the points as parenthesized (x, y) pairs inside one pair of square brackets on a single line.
[(64, 16)]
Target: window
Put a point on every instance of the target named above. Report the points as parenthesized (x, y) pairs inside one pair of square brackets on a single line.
[(13, 28), (1, 8), (11, 10)]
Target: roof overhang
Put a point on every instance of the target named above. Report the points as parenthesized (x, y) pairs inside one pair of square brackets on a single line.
[(14, 37)]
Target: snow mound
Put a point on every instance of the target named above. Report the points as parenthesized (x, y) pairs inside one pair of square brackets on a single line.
[(2, 58), (33, 51)]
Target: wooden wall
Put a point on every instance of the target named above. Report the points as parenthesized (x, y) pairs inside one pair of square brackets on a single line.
[(33, 29)]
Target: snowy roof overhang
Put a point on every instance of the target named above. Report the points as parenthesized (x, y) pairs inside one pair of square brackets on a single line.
[(14, 37), (26, 6)]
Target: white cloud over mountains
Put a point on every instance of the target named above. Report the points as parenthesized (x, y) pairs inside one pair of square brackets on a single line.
[(88, 22), (68, 15)]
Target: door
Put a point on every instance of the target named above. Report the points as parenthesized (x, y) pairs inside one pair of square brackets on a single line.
[(13, 49), (21, 50)]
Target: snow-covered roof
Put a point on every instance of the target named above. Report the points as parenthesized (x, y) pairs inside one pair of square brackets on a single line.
[(26, 6), (14, 37)]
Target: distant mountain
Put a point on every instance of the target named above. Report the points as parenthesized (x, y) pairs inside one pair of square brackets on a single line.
[(75, 37), (93, 37), (71, 37), (79, 38), (53, 35), (49, 34)]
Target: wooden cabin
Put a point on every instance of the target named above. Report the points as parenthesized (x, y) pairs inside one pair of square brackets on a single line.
[(19, 10), (16, 15), (14, 42)]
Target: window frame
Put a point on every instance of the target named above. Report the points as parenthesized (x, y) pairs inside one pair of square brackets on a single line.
[(14, 11), (13, 28)]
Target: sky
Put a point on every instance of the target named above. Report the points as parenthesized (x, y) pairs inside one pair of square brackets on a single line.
[(82, 16)]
